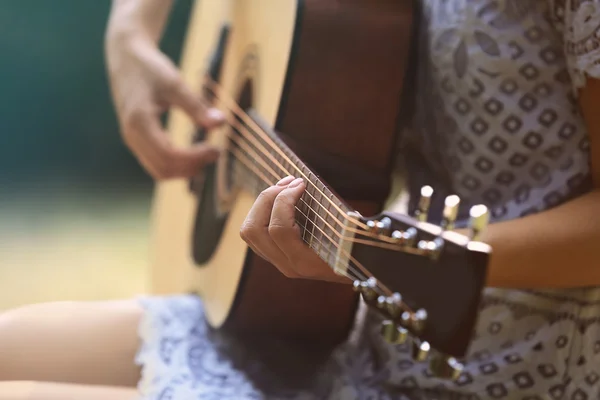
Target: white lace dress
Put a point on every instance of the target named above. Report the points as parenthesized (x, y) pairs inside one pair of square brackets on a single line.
[(504, 129)]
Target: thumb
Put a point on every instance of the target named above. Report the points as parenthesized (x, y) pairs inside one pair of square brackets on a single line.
[(182, 96), (193, 159)]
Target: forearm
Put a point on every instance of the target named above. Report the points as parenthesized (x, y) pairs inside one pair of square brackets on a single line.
[(135, 17), (556, 248)]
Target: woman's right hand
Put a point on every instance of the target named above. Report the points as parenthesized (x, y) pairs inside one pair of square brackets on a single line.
[(145, 83)]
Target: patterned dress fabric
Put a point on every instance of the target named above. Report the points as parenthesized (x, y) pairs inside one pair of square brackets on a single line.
[(497, 123)]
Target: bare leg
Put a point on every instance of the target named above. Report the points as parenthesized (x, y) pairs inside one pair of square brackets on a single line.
[(62, 391), (91, 343)]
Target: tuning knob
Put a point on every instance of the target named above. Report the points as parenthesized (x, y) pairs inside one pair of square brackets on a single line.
[(420, 351), (382, 227), (424, 202), (450, 212), (431, 248), (367, 288), (419, 319), (392, 333), (479, 220), (406, 237), (445, 367)]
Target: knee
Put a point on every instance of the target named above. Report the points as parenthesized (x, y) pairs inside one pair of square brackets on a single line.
[(15, 329), (22, 336), (78, 342)]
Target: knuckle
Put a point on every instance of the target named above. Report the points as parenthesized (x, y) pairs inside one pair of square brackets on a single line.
[(247, 231), (170, 85), (244, 233), (268, 192), (277, 229), (285, 199)]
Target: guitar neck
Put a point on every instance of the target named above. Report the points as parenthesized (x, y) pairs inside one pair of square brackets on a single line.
[(262, 160)]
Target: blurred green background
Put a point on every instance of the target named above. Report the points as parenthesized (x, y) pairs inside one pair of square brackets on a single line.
[(74, 202), (56, 116)]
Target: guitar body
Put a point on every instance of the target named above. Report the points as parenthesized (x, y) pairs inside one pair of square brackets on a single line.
[(329, 75)]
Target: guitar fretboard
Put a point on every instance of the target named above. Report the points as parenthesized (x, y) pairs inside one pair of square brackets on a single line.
[(260, 163)]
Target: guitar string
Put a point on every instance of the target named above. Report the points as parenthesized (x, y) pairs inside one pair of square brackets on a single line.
[(238, 127), (233, 106), (394, 246), (264, 151), (217, 90), (362, 275), (392, 243), (380, 288), (277, 177)]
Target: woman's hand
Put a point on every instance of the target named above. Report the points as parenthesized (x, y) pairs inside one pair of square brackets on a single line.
[(145, 83), (271, 231)]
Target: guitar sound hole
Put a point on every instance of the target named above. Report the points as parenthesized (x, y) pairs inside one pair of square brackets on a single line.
[(241, 141), (217, 189)]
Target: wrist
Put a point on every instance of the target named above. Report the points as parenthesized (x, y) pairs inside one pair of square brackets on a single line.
[(137, 19)]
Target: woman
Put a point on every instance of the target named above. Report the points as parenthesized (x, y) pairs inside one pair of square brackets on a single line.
[(513, 84)]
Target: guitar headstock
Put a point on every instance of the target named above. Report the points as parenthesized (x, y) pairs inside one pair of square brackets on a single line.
[(426, 280)]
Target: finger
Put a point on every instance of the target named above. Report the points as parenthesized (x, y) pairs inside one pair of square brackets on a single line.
[(181, 95), (151, 144), (175, 91), (285, 233), (254, 230)]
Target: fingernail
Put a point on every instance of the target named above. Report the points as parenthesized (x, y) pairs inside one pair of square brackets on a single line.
[(295, 183), (285, 181), (215, 114)]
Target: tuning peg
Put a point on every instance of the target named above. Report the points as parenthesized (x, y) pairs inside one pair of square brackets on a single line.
[(382, 227), (424, 202), (431, 248), (451, 204), (392, 333), (419, 319), (479, 220), (445, 367), (366, 288), (392, 304), (406, 237), (420, 351)]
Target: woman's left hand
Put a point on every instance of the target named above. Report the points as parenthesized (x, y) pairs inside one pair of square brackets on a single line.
[(271, 231)]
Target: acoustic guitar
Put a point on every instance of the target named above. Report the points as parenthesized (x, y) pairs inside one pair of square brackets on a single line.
[(316, 89)]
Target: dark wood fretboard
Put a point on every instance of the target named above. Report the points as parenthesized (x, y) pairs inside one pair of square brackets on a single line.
[(260, 163)]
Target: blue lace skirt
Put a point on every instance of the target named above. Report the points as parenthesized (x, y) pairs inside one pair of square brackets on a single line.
[(518, 353)]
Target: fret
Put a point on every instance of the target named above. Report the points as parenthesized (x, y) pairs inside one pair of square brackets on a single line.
[(308, 205), (285, 168), (288, 168), (304, 216), (322, 241), (254, 154), (329, 223), (310, 224), (275, 164)]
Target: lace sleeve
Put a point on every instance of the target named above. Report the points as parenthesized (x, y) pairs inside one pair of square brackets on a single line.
[(580, 24)]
